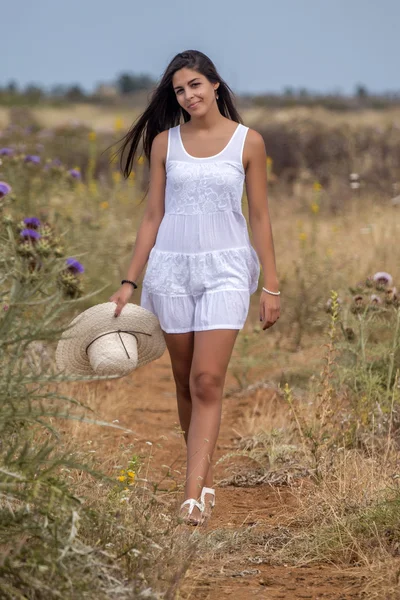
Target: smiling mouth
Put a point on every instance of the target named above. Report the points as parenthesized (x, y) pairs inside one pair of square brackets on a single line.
[(194, 104)]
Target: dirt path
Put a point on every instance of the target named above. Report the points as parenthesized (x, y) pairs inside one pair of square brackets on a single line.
[(146, 403)]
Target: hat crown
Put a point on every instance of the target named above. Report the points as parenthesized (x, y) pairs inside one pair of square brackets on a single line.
[(113, 353)]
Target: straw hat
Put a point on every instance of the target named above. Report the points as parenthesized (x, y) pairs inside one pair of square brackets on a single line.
[(97, 343)]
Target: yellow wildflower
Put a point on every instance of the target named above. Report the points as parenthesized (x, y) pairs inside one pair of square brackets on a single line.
[(140, 160), (92, 136), (132, 174), (104, 205), (122, 478), (131, 474), (116, 175), (118, 124), (317, 187), (302, 236), (315, 207)]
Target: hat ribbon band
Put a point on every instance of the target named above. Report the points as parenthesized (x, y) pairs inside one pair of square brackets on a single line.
[(119, 331)]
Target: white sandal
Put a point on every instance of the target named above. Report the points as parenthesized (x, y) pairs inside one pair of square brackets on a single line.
[(210, 503), (193, 503)]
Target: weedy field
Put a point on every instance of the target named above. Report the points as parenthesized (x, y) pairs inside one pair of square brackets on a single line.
[(307, 464)]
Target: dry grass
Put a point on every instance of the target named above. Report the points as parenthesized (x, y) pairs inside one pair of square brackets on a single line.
[(103, 118)]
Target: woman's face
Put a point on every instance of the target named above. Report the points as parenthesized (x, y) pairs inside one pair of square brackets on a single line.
[(193, 91)]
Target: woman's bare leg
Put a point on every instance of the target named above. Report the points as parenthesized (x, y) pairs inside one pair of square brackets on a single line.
[(180, 347), (211, 354)]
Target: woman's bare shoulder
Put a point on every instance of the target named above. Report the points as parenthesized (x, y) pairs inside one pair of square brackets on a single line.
[(159, 145), (255, 139), (254, 147)]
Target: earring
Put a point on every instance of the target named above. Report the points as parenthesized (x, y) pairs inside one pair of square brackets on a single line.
[(216, 94)]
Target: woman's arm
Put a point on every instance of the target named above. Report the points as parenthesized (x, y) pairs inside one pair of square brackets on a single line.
[(255, 156), (150, 223), (155, 208), (255, 159)]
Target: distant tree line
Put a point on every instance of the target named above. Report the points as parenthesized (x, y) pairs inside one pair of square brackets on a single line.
[(128, 85)]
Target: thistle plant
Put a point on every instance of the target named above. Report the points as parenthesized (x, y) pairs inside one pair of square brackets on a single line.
[(39, 513), (315, 430), (369, 354)]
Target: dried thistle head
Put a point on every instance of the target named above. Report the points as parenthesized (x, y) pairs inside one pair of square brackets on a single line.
[(375, 299), (390, 294), (58, 251), (358, 288), (70, 284), (358, 304), (26, 249), (369, 282), (43, 247), (349, 334)]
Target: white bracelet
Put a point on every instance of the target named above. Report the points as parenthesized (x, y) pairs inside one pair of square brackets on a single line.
[(273, 293)]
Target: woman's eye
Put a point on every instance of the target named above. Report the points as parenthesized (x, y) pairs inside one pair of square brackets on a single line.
[(193, 84)]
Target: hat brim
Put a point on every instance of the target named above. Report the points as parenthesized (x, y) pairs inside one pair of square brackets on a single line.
[(71, 354)]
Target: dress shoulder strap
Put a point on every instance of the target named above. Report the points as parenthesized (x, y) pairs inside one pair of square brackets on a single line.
[(234, 150), (174, 151)]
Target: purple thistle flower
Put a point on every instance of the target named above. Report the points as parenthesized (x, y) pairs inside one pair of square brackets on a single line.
[(74, 266), (30, 234), (4, 189), (75, 173), (6, 151), (32, 158), (32, 222)]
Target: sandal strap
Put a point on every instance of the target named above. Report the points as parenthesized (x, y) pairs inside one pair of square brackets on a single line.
[(207, 490), (192, 503)]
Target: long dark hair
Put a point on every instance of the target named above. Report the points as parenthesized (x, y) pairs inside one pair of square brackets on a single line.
[(164, 111)]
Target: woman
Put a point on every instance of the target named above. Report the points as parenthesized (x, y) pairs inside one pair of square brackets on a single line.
[(201, 266)]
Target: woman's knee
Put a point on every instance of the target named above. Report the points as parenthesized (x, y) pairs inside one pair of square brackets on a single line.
[(205, 385)]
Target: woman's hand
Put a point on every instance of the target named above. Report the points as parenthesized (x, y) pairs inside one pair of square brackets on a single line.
[(121, 297), (270, 308)]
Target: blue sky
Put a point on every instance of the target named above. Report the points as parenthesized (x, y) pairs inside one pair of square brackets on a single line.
[(257, 45)]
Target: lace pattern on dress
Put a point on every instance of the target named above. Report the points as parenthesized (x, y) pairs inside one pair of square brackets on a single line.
[(203, 188), (174, 273)]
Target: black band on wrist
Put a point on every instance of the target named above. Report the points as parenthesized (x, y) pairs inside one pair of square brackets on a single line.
[(128, 281)]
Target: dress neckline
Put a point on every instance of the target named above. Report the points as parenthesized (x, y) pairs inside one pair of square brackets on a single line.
[(206, 157)]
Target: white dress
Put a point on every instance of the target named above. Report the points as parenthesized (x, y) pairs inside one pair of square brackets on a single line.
[(202, 268)]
